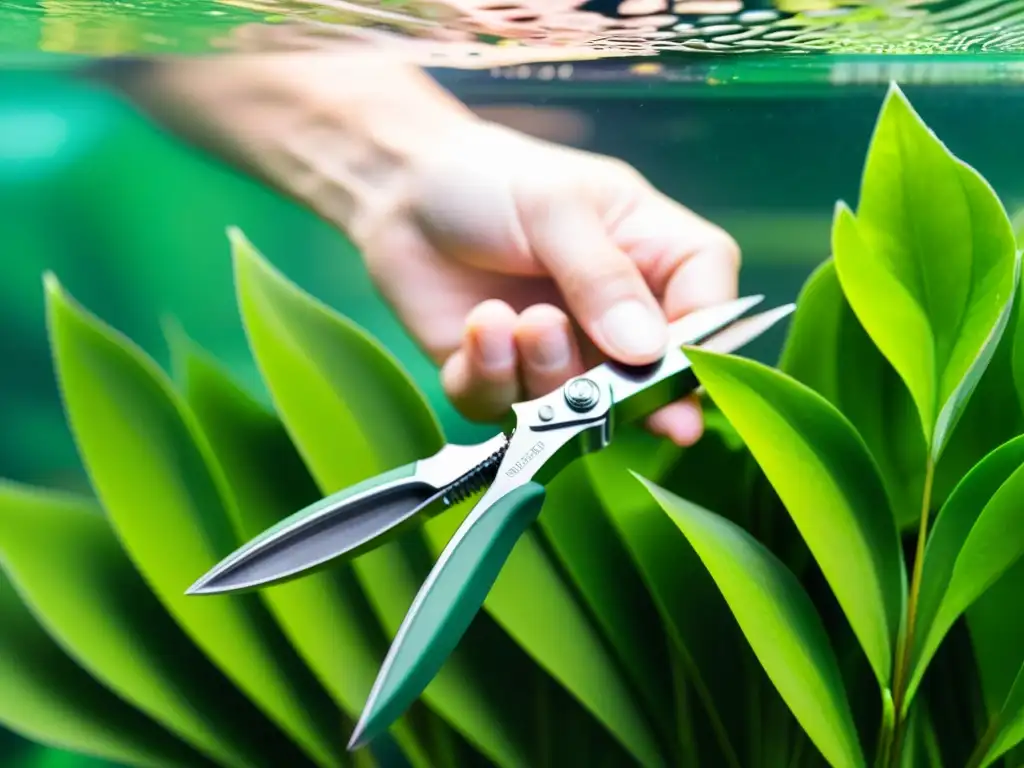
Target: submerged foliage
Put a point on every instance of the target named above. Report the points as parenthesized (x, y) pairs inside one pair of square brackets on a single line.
[(832, 576)]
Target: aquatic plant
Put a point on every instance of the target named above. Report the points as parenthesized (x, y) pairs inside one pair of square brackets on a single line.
[(833, 575)]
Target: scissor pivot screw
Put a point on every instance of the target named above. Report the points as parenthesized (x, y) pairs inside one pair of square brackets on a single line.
[(546, 413), (582, 394)]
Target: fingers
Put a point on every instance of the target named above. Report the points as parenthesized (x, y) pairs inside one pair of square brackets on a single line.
[(505, 357), (603, 288), (709, 276), (681, 422), (481, 377), (548, 352), (693, 264)]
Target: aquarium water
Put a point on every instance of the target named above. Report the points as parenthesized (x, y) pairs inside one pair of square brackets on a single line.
[(755, 114)]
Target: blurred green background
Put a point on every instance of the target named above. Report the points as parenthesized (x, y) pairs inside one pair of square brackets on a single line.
[(133, 222)]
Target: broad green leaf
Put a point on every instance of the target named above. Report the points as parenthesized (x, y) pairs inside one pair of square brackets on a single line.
[(697, 620), (830, 485), (927, 264), (778, 620), (977, 537), (1016, 355), (46, 697), (992, 417), (828, 350), (341, 395), (151, 469), (325, 614), (62, 554), (352, 413)]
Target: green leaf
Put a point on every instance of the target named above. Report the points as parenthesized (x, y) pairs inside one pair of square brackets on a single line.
[(697, 620), (778, 620), (927, 264), (46, 697), (976, 539), (1016, 355), (352, 414), (993, 414), (830, 486), (828, 350), (64, 558), (151, 469), (325, 615), (341, 395)]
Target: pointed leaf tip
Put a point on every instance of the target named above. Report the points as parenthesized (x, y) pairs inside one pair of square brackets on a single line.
[(51, 283), (930, 317), (241, 246), (894, 91), (842, 209), (235, 235)]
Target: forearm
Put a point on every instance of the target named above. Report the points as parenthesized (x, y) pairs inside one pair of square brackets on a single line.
[(337, 133)]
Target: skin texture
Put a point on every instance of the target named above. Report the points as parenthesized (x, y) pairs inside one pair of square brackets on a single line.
[(514, 262)]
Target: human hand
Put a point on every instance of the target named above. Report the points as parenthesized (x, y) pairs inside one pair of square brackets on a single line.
[(517, 264), (514, 262)]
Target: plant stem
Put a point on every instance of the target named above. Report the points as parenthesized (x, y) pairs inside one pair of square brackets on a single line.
[(906, 645), (885, 731)]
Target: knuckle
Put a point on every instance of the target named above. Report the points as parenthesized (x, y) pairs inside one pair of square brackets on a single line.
[(625, 171), (542, 314), (606, 277), (489, 309), (723, 243)]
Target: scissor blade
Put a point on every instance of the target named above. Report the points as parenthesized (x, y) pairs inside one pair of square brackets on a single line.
[(344, 523), (347, 523), (640, 391), (742, 332), (698, 325)]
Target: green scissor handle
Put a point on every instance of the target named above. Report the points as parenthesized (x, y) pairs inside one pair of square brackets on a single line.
[(446, 606)]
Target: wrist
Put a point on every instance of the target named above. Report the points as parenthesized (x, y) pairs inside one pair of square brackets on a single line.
[(351, 134), (342, 134)]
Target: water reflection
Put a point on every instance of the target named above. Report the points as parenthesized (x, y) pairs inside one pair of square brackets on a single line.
[(489, 33)]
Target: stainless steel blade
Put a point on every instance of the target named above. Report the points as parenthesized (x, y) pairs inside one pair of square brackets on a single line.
[(639, 391)]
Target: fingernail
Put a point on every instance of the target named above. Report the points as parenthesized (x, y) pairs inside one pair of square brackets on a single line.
[(634, 330), (551, 351), (497, 350)]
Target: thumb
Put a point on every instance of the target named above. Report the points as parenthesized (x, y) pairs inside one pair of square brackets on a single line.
[(603, 288)]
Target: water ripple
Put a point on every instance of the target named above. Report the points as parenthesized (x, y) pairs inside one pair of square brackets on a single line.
[(495, 33)]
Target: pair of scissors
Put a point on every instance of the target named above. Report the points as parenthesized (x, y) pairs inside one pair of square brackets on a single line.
[(542, 437)]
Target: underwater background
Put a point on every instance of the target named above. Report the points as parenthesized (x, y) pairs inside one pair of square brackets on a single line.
[(133, 222)]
